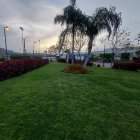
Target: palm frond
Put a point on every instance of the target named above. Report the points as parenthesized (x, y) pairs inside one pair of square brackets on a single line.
[(105, 19), (73, 2), (59, 19)]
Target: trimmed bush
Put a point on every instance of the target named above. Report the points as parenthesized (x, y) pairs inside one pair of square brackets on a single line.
[(23, 56), (17, 67), (63, 60), (125, 56), (20, 56), (133, 66), (76, 69), (107, 55)]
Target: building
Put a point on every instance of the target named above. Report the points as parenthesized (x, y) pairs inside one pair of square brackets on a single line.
[(118, 51)]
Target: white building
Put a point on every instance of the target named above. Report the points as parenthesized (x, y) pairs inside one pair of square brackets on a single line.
[(131, 50)]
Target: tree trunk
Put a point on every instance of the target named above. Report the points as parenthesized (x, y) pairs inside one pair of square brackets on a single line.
[(62, 42), (73, 35), (80, 57), (67, 59), (89, 50), (112, 61)]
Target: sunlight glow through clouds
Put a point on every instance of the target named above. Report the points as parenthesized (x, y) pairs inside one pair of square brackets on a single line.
[(37, 19)]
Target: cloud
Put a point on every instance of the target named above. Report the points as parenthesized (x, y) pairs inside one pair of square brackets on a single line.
[(37, 19)]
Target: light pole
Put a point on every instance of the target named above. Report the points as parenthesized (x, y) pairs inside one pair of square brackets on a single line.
[(6, 28), (22, 39), (33, 47), (24, 48), (39, 47)]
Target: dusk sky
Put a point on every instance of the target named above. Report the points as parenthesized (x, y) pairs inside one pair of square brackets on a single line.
[(37, 19)]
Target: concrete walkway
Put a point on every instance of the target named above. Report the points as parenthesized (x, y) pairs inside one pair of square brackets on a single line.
[(106, 65)]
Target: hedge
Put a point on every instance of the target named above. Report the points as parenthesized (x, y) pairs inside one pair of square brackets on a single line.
[(17, 67), (133, 66)]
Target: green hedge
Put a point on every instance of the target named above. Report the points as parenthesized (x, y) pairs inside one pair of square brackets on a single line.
[(107, 55), (125, 56), (22, 56)]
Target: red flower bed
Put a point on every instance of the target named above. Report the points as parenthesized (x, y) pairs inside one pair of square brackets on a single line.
[(17, 67), (133, 66)]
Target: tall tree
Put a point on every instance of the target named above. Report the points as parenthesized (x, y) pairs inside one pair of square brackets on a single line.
[(72, 17), (103, 19), (118, 42)]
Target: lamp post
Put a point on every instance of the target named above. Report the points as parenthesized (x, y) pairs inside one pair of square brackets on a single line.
[(39, 47), (22, 39), (24, 49), (6, 28), (33, 47)]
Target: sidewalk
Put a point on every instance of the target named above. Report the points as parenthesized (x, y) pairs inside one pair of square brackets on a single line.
[(106, 65)]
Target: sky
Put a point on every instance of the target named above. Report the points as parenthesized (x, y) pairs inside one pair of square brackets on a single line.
[(37, 19)]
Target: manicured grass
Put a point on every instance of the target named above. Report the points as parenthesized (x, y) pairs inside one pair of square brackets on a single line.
[(48, 104)]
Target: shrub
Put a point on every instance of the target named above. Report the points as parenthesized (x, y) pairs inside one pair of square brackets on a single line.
[(79, 62), (98, 65), (23, 56), (125, 56), (95, 58), (133, 66), (2, 59), (90, 63), (17, 67), (63, 60), (20, 56), (107, 55), (76, 69)]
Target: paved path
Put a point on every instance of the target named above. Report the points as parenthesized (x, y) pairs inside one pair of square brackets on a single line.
[(106, 65)]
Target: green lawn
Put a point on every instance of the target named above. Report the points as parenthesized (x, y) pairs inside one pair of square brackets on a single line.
[(48, 104)]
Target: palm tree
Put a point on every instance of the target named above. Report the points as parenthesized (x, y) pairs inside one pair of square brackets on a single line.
[(103, 19), (72, 17)]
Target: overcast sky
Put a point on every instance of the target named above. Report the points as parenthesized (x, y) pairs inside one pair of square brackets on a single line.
[(37, 19)]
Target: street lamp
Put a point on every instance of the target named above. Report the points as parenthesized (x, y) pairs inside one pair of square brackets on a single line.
[(6, 28), (33, 48), (24, 49), (39, 47), (22, 39)]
